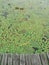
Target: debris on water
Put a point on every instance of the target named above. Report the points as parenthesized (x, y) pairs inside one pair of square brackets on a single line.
[(35, 48), (21, 8), (16, 8), (9, 5)]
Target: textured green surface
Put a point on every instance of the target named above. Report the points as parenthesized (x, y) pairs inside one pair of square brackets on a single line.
[(24, 26)]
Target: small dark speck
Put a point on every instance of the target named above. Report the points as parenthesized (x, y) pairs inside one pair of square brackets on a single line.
[(44, 8), (9, 26), (17, 8), (9, 4), (7, 52), (44, 38), (35, 48), (42, 50), (21, 8)]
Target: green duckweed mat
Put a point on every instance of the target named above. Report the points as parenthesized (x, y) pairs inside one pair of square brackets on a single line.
[(24, 26)]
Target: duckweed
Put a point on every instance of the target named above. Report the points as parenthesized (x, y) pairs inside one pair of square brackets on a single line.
[(24, 26)]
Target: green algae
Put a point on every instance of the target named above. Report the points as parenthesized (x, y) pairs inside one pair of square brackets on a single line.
[(24, 26)]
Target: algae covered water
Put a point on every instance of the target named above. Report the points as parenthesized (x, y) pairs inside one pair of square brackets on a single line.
[(24, 26)]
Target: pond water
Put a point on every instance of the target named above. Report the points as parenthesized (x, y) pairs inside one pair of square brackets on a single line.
[(24, 26)]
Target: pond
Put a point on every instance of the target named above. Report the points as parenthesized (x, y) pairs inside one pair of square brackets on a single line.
[(24, 26)]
